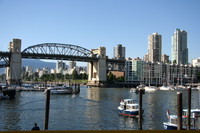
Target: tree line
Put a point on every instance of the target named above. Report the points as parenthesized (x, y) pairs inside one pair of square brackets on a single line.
[(53, 77)]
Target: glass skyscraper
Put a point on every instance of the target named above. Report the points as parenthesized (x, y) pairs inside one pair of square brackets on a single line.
[(179, 47)]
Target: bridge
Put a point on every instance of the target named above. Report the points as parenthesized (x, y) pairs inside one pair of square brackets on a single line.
[(98, 61)]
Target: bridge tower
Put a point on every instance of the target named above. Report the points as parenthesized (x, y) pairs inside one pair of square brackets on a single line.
[(13, 72), (97, 70)]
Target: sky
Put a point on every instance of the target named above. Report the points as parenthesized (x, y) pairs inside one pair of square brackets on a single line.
[(100, 23)]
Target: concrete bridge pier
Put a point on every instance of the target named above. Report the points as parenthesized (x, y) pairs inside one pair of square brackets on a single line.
[(13, 72), (97, 70)]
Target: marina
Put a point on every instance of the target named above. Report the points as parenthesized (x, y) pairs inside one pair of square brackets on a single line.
[(92, 109)]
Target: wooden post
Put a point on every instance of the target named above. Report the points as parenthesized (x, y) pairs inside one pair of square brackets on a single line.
[(179, 110), (140, 110), (75, 89), (189, 109), (46, 119)]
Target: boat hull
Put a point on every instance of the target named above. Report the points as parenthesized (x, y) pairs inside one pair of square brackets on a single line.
[(129, 113), (60, 92), (169, 127)]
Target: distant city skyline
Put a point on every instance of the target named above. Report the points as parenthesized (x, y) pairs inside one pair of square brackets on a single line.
[(92, 24)]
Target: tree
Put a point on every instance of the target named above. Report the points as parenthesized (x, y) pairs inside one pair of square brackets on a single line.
[(198, 76), (84, 76), (74, 74), (120, 79), (111, 78), (45, 77)]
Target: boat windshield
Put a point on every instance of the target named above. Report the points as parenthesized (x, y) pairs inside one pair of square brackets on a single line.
[(130, 101), (132, 107)]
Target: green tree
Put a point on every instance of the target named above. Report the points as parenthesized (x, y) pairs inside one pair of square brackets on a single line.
[(111, 78), (84, 76), (45, 78), (198, 76), (74, 74), (120, 79)]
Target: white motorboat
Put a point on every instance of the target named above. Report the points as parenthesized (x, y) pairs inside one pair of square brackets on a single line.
[(129, 107), (172, 120), (60, 90)]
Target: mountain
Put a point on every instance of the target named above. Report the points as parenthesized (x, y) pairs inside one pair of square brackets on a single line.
[(36, 63)]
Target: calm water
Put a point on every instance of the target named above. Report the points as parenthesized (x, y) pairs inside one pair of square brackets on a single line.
[(92, 109)]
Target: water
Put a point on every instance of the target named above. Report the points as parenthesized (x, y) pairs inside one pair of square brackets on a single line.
[(92, 109)]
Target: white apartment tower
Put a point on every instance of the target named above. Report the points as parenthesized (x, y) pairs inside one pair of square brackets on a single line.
[(179, 47), (154, 47)]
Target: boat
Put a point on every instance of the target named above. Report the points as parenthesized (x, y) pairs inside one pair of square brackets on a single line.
[(164, 88), (173, 120), (150, 88), (194, 88), (132, 90), (60, 90), (198, 87), (180, 87), (195, 113), (141, 86), (129, 107)]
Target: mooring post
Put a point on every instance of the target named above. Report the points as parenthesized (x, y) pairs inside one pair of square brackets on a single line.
[(189, 108), (75, 88), (46, 119), (140, 110), (179, 110), (78, 87)]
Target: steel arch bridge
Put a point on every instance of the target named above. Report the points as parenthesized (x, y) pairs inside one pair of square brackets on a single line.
[(59, 51)]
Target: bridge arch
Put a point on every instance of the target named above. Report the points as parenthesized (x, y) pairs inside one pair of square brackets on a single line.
[(58, 49)]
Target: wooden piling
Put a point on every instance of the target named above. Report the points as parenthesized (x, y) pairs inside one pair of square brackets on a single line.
[(75, 88), (189, 109), (46, 119), (179, 110), (140, 110)]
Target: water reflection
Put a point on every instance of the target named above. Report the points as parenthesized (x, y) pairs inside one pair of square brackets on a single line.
[(92, 109)]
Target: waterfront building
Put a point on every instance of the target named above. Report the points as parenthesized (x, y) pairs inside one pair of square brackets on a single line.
[(154, 47), (134, 70), (179, 47), (158, 73)]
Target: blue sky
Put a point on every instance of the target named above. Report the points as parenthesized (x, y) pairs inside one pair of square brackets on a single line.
[(100, 23)]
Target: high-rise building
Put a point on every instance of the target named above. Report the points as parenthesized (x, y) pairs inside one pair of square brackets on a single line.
[(154, 47), (119, 52), (72, 64), (179, 47), (164, 58), (60, 66)]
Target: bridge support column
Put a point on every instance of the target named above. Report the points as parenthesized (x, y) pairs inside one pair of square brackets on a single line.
[(97, 70), (13, 72)]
